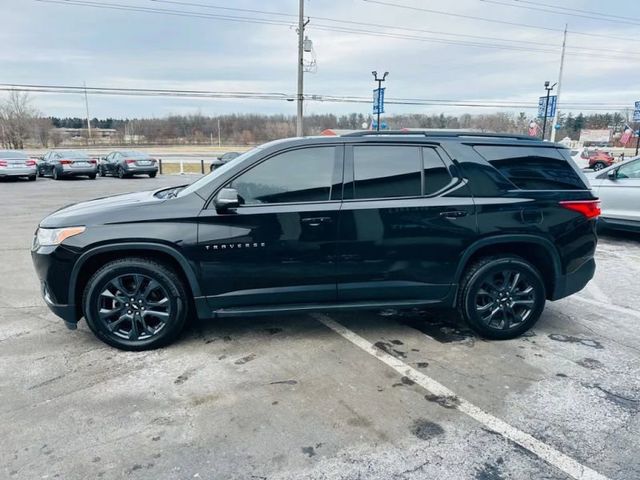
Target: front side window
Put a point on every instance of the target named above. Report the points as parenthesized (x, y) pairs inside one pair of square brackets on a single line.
[(303, 175), (386, 171), (630, 170)]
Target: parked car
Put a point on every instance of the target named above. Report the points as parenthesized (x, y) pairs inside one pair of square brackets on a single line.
[(127, 163), (16, 165), (67, 163), (599, 160), (493, 225), (618, 187), (219, 161)]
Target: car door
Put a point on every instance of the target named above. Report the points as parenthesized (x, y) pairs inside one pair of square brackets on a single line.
[(620, 193), (44, 165), (406, 218), (111, 162), (279, 245)]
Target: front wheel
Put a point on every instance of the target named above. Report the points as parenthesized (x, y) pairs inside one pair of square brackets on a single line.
[(501, 297), (135, 304)]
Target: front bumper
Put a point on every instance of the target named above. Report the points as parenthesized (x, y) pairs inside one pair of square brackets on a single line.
[(574, 282), (54, 266)]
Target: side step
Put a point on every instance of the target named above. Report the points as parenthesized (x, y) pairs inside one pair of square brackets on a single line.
[(319, 307)]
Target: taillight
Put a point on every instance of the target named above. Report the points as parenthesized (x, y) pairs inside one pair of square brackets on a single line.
[(3, 163), (66, 162), (93, 160), (131, 161), (588, 208), (30, 163)]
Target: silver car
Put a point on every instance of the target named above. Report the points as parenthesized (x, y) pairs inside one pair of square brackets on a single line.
[(16, 164), (618, 187)]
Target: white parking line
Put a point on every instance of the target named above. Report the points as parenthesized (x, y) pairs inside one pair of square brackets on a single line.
[(547, 453)]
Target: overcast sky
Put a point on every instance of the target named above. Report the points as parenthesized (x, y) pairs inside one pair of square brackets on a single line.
[(46, 43)]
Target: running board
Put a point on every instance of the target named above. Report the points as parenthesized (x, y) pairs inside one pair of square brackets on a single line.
[(319, 307)]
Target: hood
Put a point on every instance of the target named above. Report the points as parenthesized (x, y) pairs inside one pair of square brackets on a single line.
[(101, 210)]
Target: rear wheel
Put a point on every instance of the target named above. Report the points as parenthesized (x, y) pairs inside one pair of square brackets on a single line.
[(599, 166), (135, 304), (92, 176), (120, 172), (32, 178), (501, 297), (153, 174)]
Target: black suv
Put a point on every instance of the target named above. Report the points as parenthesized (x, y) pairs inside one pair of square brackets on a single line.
[(492, 225)]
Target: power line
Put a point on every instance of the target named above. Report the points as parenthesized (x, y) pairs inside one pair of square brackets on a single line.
[(490, 20), (547, 10), (115, 6), (141, 92), (576, 10)]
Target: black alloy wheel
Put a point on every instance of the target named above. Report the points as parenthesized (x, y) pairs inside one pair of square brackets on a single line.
[(501, 297), (135, 304)]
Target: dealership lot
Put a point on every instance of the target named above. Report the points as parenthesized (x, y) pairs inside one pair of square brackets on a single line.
[(317, 396)]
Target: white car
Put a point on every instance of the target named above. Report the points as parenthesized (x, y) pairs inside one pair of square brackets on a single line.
[(16, 164), (618, 188)]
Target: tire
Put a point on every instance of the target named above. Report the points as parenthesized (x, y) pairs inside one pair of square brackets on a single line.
[(101, 172), (506, 310), (599, 166), (54, 174), (32, 178), (121, 173), (92, 176), (135, 328), (40, 173), (153, 174)]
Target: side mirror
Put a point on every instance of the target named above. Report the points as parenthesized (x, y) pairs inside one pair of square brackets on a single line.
[(227, 199), (612, 174)]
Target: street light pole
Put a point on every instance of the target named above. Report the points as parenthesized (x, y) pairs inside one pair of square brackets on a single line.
[(379, 80), (546, 106), (557, 115)]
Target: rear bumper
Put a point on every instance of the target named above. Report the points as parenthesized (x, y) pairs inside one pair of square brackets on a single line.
[(140, 170), (574, 282), (17, 172), (72, 172)]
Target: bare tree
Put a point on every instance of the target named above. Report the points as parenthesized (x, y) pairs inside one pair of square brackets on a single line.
[(16, 119)]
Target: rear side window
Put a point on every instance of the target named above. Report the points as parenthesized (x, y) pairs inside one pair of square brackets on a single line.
[(387, 171), (533, 168)]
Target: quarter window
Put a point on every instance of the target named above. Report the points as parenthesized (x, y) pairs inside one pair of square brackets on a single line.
[(303, 175), (436, 174), (386, 171), (533, 168)]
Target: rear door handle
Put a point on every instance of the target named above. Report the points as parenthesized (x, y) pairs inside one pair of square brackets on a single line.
[(453, 214), (316, 221)]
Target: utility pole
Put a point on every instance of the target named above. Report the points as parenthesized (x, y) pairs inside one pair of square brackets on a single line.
[(546, 106), (557, 115), (219, 137), (86, 104), (301, 25)]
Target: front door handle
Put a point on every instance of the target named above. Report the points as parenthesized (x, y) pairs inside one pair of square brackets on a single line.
[(316, 221), (453, 214)]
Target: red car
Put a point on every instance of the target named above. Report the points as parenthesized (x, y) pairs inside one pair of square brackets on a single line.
[(599, 160)]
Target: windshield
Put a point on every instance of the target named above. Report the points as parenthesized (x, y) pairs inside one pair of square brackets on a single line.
[(73, 154), (11, 154), (216, 173)]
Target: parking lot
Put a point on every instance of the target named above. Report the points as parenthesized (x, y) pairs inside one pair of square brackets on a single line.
[(371, 395)]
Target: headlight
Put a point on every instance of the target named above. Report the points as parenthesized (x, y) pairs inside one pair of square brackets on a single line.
[(54, 236)]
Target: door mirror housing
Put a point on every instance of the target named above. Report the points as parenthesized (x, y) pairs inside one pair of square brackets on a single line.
[(227, 199), (612, 174)]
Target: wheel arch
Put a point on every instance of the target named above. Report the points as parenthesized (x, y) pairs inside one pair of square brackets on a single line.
[(537, 250), (90, 261)]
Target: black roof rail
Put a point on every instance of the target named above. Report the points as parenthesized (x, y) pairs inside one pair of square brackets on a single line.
[(439, 133)]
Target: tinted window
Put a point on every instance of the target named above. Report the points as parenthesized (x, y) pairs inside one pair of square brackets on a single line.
[(436, 174), (630, 170), (533, 168), (386, 172), (13, 155), (297, 176), (74, 154)]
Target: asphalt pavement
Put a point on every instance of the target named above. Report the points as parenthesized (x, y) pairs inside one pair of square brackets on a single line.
[(367, 395)]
